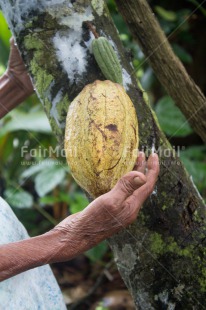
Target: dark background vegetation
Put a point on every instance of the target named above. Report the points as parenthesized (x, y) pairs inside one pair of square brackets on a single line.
[(39, 187)]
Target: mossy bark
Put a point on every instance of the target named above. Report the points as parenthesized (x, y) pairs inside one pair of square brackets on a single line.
[(161, 257)]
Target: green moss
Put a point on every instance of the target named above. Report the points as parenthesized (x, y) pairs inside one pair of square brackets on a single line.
[(164, 207), (41, 77), (141, 218), (202, 281), (197, 217), (98, 6), (144, 133), (159, 246), (144, 94), (33, 42), (29, 24), (172, 247), (44, 80), (162, 139), (157, 121), (164, 194), (156, 243), (62, 108), (170, 202)]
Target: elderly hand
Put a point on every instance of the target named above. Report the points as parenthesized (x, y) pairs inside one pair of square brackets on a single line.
[(105, 216), (110, 212)]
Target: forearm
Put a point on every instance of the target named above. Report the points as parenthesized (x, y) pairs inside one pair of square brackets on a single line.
[(12, 93), (102, 218), (64, 242), (26, 254)]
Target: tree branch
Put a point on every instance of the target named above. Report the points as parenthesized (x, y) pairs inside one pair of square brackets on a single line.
[(167, 67)]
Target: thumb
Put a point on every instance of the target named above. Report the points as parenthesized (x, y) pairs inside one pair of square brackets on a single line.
[(128, 184)]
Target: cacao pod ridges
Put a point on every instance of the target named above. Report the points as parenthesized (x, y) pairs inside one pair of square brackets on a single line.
[(101, 136), (107, 60)]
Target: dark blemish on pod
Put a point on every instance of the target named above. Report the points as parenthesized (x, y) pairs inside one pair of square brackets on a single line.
[(112, 127)]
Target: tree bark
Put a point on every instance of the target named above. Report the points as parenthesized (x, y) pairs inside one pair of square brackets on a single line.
[(161, 256), (166, 65)]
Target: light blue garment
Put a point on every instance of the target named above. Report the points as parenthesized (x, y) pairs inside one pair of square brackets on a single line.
[(35, 289)]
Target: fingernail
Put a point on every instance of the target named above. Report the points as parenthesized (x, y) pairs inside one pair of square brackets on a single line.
[(153, 154), (137, 181), (141, 153)]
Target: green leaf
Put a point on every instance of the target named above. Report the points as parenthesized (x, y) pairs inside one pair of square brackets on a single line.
[(6, 148), (5, 32), (78, 202), (182, 54), (48, 200), (42, 165), (35, 121), (124, 37), (97, 252), (171, 118), (101, 307), (170, 16), (196, 152), (65, 197), (194, 161), (62, 196), (199, 5), (2, 69), (19, 198), (197, 170), (49, 178)]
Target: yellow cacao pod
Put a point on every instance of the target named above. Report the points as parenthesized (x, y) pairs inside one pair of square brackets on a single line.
[(101, 136)]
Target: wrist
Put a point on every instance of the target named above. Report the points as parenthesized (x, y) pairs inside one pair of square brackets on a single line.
[(80, 232)]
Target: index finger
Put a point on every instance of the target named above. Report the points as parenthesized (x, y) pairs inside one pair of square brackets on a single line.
[(152, 167), (140, 162), (145, 190)]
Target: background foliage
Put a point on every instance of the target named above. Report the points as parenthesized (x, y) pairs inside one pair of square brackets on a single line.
[(38, 185)]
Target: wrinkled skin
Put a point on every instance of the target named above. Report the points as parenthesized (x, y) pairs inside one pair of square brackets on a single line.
[(102, 218), (15, 84)]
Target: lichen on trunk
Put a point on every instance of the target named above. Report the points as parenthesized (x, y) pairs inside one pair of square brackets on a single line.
[(161, 257)]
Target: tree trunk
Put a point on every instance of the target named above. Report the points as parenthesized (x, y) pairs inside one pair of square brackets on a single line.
[(161, 256), (166, 65)]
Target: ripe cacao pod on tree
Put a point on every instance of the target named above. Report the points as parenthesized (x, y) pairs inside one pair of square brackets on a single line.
[(101, 136)]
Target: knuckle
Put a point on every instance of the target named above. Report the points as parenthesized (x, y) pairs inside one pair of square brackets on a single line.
[(115, 208), (128, 214), (110, 204)]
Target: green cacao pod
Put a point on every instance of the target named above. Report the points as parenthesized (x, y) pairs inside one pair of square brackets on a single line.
[(101, 136), (107, 59)]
